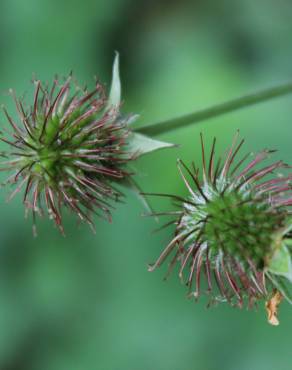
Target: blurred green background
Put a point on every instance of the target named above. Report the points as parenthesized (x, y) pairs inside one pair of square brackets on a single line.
[(86, 301)]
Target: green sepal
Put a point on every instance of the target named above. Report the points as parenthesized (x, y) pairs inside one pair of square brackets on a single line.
[(288, 243), (115, 90), (140, 144), (132, 119), (281, 263), (132, 185), (288, 227)]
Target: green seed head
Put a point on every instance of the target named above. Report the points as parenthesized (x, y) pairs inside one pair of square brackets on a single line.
[(68, 149), (238, 224), (233, 228)]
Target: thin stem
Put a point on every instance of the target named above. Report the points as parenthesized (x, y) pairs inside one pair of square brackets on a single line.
[(215, 110)]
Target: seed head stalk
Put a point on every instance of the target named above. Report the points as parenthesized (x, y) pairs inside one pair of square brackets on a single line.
[(217, 110)]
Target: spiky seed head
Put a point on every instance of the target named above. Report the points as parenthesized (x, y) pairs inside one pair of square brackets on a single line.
[(232, 231), (67, 149)]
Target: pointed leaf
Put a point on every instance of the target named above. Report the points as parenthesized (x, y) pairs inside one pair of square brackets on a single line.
[(115, 91), (281, 263), (140, 144)]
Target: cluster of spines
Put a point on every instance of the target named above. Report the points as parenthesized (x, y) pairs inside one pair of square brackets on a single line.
[(231, 276), (69, 149)]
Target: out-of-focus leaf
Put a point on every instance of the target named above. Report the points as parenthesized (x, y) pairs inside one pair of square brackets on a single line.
[(288, 243), (282, 285), (281, 263), (288, 227)]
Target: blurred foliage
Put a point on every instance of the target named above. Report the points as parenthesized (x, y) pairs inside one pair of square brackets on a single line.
[(87, 301)]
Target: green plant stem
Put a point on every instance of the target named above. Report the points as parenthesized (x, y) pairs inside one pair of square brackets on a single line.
[(215, 110)]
